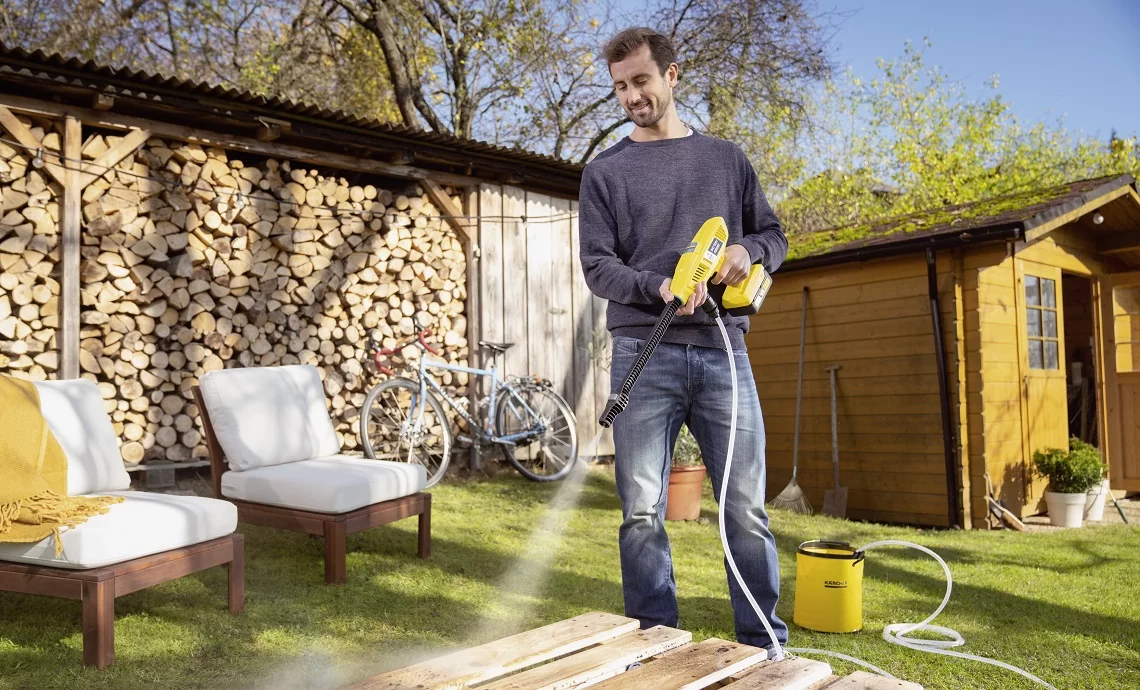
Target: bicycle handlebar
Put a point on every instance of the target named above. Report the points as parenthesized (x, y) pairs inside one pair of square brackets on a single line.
[(378, 352), (423, 334)]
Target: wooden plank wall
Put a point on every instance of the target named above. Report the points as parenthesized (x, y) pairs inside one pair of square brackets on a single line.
[(993, 379), (534, 295), (999, 440), (514, 280), (873, 319)]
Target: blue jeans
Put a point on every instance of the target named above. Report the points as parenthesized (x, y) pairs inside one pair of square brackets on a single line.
[(691, 385)]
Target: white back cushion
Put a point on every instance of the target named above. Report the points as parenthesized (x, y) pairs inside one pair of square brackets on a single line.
[(269, 415), (77, 418)]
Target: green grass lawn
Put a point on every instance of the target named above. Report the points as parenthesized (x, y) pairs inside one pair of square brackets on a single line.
[(1063, 605)]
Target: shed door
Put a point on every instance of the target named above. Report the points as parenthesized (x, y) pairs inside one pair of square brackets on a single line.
[(1120, 340), (1044, 395)]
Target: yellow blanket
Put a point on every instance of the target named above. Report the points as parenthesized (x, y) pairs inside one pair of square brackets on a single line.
[(33, 472)]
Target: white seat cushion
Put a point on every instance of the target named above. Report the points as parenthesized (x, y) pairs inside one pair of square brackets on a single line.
[(335, 484), (266, 416), (77, 418), (143, 524)]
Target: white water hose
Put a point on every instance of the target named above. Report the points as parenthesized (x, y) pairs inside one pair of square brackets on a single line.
[(896, 633)]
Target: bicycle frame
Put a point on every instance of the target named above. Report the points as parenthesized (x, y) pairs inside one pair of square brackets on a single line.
[(486, 434)]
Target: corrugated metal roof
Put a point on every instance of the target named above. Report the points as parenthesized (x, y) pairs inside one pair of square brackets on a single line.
[(1023, 211), (139, 80)]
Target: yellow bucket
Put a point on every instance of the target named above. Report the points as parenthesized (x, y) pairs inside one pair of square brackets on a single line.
[(829, 587)]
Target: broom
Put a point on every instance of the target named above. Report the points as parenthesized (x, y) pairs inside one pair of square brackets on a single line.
[(792, 497)]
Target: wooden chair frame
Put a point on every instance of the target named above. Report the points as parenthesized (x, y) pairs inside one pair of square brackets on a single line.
[(98, 588), (334, 527)]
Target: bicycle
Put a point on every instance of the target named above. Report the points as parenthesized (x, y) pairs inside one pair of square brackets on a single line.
[(533, 425)]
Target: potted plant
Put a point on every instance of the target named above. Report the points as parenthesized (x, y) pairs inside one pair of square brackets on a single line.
[(686, 479), (1071, 474), (1095, 498)]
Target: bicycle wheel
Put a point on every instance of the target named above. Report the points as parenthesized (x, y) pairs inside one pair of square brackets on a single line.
[(546, 455), (389, 429)]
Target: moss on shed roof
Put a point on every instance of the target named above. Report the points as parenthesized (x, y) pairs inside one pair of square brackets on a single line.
[(1000, 211)]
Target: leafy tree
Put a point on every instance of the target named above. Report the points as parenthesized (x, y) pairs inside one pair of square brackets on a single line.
[(515, 72), (296, 49), (453, 62), (743, 63), (911, 140)]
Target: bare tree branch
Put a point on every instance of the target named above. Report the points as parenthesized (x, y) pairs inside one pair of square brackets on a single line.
[(600, 137)]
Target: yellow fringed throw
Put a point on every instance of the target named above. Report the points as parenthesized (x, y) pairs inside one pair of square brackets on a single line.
[(33, 473)]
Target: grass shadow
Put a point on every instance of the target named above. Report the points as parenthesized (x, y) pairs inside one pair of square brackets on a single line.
[(395, 607)]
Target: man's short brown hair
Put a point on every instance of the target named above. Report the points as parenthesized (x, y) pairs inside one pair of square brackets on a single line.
[(631, 40)]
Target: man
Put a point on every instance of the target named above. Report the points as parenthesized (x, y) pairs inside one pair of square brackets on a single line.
[(641, 203)]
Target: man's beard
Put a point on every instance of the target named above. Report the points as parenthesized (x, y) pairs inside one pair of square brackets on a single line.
[(654, 115)]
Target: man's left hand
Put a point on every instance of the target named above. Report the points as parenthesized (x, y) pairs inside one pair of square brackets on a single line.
[(735, 268)]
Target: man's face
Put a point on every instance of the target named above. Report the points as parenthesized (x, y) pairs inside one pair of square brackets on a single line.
[(643, 91)]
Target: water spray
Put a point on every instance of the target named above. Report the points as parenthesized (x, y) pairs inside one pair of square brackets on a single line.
[(701, 260)]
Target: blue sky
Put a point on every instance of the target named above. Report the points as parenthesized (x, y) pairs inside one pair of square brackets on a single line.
[(1076, 58), (1053, 57)]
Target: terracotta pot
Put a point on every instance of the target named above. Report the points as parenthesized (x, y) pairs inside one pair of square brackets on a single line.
[(684, 500)]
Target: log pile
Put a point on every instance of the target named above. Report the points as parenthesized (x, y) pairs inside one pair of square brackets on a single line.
[(193, 260), (29, 251)]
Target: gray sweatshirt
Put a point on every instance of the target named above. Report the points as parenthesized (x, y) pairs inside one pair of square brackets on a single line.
[(639, 207)]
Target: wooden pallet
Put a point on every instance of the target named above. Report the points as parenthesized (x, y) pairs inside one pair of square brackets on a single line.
[(596, 649)]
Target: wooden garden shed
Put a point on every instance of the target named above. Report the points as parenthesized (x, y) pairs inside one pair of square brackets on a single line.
[(1029, 289), (98, 163)]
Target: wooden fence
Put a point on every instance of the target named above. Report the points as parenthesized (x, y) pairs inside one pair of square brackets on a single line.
[(532, 293)]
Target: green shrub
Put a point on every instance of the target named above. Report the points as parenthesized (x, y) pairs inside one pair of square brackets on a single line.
[(686, 452), (1070, 472)]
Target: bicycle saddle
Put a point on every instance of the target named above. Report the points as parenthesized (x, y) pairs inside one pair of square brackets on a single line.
[(498, 347)]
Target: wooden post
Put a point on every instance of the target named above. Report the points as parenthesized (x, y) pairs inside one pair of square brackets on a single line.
[(473, 310), (335, 547), (424, 543), (460, 219), (236, 571), (70, 236), (99, 623), (960, 376)]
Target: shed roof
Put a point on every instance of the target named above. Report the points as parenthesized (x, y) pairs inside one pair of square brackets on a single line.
[(999, 218), (156, 95)]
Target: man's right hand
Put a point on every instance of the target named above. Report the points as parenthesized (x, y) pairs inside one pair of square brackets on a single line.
[(695, 300)]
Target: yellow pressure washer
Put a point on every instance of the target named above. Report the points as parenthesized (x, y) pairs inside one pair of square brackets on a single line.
[(701, 260)]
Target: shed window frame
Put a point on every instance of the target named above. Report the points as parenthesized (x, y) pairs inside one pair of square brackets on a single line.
[(1042, 314)]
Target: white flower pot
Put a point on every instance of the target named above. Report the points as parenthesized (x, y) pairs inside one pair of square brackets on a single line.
[(1094, 502), (1065, 510)]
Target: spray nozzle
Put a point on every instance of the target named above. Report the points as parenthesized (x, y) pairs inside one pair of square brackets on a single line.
[(614, 406)]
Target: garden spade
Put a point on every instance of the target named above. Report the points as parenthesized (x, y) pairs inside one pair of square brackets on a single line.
[(835, 499)]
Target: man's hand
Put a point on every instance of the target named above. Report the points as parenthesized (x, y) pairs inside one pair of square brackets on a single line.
[(695, 300), (734, 270)]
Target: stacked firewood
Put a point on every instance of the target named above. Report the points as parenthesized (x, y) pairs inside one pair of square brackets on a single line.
[(193, 260), (29, 252)]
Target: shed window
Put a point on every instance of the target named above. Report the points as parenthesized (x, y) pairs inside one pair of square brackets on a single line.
[(1041, 317)]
